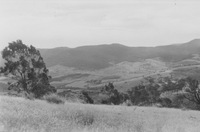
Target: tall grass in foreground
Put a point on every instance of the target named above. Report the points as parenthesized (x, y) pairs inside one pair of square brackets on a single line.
[(22, 115), (54, 98)]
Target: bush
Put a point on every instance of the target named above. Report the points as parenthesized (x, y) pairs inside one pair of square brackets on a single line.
[(88, 99), (114, 96), (177, 100), (40, 90), (54, 98), (165, 102)]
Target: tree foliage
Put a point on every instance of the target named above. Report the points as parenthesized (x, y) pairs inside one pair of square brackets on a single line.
[(193, 90), (145, 93), (27, 67), (115, 97)]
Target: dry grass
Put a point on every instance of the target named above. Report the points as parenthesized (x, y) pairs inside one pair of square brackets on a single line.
[(54, 98), (18, 114)]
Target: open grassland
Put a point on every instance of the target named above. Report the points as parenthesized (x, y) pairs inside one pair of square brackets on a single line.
[(117, 72), (18, 114), (187, 71)]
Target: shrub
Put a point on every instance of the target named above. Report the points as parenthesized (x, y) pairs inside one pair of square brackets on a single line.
[(54, 98), (87, 97), (40, 90), (177, 100), (114, 96), (165, 102), (138, 95)]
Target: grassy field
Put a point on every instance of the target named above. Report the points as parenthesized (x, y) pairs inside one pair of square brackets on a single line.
[(191, 71), (18, 114)]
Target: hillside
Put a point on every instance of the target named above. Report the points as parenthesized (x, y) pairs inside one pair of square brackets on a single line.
[(102, 56), (118, 73), (18, 114)]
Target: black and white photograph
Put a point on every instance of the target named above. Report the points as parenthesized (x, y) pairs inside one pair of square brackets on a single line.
[(99, 66)]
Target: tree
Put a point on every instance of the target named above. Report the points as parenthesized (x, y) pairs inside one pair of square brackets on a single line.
[(146, 93), (27, 67), (115, 97), (138, 95), (170, 84), (88, 99), (193, 90)]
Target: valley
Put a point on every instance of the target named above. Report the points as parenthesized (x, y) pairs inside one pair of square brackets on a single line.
[(90, 68), (124, 75)]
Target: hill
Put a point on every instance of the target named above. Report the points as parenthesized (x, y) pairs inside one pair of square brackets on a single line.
[(102, 56), (120, 74), (18, 114)]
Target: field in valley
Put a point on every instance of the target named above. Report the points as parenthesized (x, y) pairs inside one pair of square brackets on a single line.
[(124, 75), (121, 74), (19, 114)]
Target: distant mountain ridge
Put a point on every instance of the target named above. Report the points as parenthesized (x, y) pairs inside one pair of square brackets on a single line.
[(102, 56)]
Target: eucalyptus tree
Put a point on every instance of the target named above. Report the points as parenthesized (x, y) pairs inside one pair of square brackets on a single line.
[(27, 68)]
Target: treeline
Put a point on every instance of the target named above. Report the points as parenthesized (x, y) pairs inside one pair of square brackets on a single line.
[(161, 92)]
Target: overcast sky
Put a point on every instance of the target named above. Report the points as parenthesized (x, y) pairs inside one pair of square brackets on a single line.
[(72, 23)]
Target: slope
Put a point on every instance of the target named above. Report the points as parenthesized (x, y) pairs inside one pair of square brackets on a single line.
[(18, 114), (102, 56)]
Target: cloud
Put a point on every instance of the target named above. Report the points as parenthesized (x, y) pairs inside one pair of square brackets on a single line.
[(78, 22)]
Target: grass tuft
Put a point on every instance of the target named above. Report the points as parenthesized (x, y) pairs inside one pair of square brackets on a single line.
[(54, 98)]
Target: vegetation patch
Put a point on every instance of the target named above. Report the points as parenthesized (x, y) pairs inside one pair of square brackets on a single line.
[(193, 72), (111, 77), (54, 98), (70, 76)]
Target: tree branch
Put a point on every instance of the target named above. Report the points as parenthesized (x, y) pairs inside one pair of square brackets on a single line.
[(192, 100)]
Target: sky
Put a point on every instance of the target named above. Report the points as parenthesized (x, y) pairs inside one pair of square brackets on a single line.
[(72, 23)]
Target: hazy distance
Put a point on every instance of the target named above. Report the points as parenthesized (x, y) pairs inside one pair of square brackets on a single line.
[(72, 23)]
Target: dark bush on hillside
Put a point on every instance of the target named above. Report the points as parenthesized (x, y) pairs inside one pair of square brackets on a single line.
[(88, 99), (144, 94), (40, 90), (177, 100), (138, 95), (165, 102), (105, 101), (115, 97)]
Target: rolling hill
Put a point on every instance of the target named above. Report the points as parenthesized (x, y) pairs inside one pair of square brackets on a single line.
[(103, 56)]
